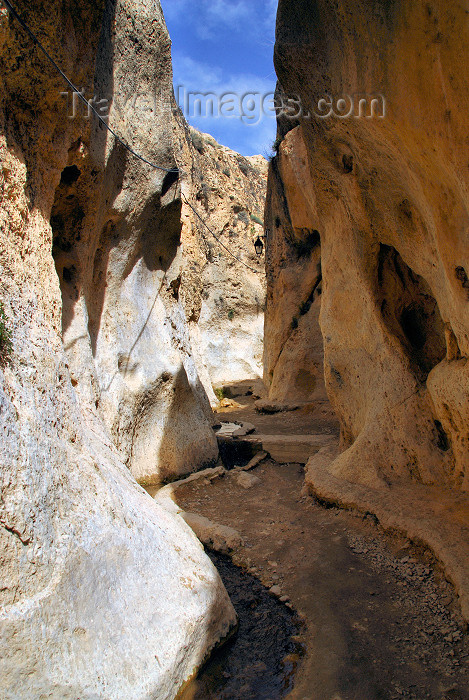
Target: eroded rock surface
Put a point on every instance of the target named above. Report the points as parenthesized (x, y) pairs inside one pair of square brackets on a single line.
[(386, 197), (293, 351), (104, 593), (381, 198), (230, 193)]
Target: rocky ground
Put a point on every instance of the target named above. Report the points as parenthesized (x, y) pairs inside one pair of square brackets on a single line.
[(380, 619)]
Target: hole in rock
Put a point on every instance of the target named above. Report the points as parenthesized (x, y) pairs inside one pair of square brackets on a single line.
[(66, 222), (307, 241), (67, 274), (442, 438), (168, 182), (413, 324), (70, 175), (461, 275), (347, 162), (410, 312)]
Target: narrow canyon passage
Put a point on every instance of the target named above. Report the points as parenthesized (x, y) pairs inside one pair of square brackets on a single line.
[(146, 268), (379, 618)]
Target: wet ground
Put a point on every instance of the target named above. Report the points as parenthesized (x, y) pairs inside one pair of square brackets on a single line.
[(260, 660)]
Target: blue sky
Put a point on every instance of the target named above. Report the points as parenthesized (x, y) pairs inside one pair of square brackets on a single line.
[(226, 47)]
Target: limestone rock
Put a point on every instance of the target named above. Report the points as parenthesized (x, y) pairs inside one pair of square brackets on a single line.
[(104, 593), (220, 538), (229, 403), (269, 406), (293, 353), (377, 200), (245, 480), (230, 195), (244, 429), (255, 461)]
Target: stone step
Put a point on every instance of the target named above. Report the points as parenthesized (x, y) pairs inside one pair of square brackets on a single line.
[(291, 448)]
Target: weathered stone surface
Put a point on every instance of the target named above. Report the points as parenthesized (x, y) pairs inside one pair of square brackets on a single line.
[(245, 480), (229, 191), (104, 593), (255, 461), (220, 538), (439, 518), (269, 406), (386, 197), (129, 259), (293, 351)]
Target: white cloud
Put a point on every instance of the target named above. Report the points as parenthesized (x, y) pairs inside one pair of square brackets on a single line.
[(195, 75), (209, 16), (251, 128), (198, 76), (221, 11)]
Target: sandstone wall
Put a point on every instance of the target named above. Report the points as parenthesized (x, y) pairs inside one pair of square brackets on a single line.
[(388, 198), (104, 593)]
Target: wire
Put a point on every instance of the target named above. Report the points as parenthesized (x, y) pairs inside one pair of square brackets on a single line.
[(216, 237), (36, 41), (29, 31)]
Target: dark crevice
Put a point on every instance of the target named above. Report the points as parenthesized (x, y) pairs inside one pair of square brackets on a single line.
[(410, 312), (169, 180), (307, 241), (22, 538), (442, 439), (347, 162), (70, 175), (67, 217)]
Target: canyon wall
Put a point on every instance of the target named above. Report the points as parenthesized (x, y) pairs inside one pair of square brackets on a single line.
[(368, 208), (230, 191), (104, 592), (382, 200), (293, 349)]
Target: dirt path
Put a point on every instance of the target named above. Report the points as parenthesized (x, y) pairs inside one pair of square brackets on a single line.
[(380, 620)]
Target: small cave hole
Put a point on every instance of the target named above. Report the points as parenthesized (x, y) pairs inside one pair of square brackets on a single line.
[(410, 312), (169, 180), (70, 175), (347, 162), (309, 241), (67, 274), (413, 325), (277, 222), (175, 286), (442, 438), (461, 275), (405, 208)]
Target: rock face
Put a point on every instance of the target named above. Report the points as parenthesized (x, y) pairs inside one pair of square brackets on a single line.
[(129, 260), (383, 197), (104, 593), (293, 351), (230, 191)]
